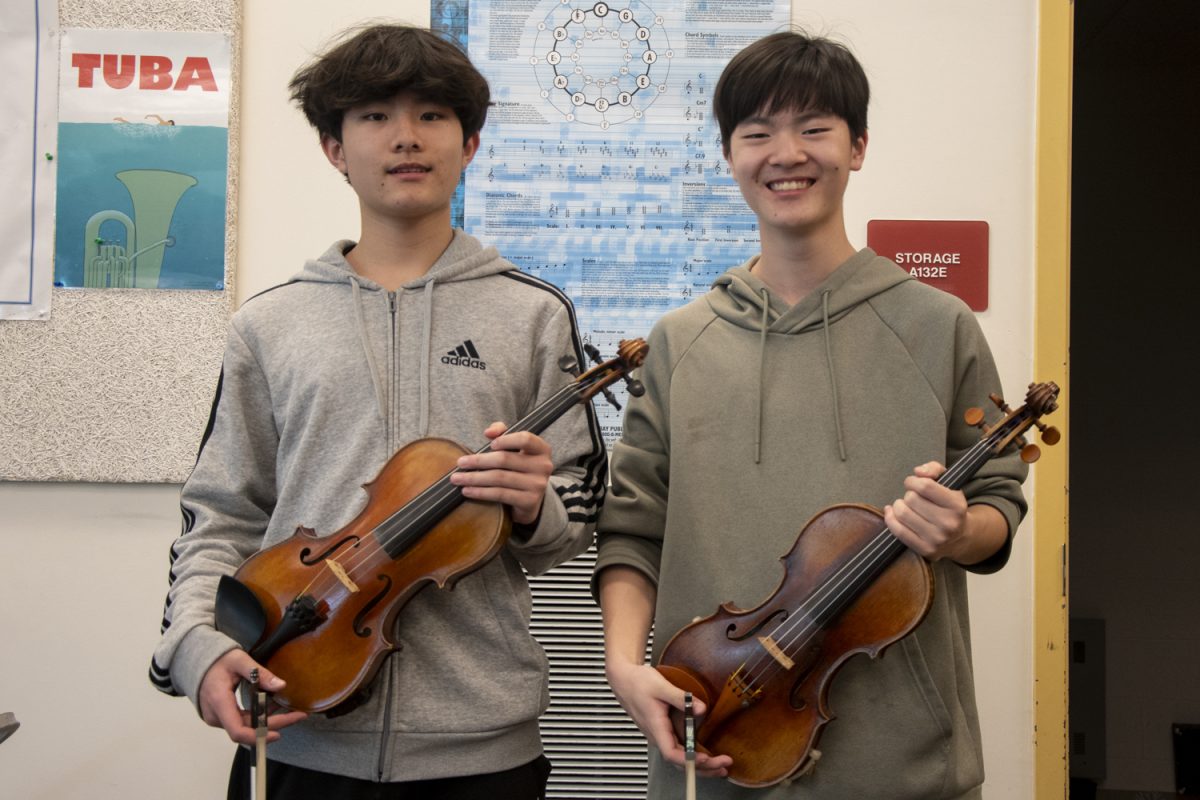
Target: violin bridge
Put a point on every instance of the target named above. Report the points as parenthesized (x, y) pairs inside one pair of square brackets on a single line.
[(776, 653), (340, 573)]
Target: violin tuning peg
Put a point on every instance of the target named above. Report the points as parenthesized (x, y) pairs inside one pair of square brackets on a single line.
[(592, 351), (611, 398), (1000, 404), (569, 364), (1030, 453), (636, 389), (1050, 434), (974, 417)]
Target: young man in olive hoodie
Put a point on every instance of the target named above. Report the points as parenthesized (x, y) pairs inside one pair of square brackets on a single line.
[(812, 374), (416, 330)]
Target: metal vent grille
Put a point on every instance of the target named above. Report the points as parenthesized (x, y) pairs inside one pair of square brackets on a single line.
[(597, 752)]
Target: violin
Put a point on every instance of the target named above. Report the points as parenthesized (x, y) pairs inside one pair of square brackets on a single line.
[(849, 587), (317, 611)]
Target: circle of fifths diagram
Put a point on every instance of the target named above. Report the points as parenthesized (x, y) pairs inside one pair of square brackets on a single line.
[(601, 64)]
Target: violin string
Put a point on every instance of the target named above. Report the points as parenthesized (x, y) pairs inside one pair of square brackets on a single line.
[(851, 574), (429, 505), (434, 498), (841, 584), (807, 614), (432, 501)]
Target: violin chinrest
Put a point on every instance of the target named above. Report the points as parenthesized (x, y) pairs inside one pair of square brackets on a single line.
[(239, 614)]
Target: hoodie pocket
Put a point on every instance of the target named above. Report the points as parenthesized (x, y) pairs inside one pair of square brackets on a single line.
[(940, 714), (892, 728), (468, 663)]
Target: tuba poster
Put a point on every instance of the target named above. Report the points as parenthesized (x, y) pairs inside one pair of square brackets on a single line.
[(142, 160)]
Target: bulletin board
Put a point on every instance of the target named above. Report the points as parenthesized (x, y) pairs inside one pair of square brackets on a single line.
[(117, 385)]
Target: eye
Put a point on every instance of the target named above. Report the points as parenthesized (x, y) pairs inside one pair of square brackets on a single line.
[(433, 116), (374, 116), (815, 131)]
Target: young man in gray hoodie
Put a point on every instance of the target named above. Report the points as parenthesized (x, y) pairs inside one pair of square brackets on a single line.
[(416, 330), (813, 374)]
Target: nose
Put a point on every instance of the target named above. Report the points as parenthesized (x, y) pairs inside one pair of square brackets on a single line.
[(790, 148), (405, 134)]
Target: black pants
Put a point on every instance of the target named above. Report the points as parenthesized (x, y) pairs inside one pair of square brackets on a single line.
[(285, 782)]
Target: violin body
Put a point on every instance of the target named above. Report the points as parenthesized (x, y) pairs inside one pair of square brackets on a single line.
[(354, 624), (746, 683), (849, 587), (318, 611)]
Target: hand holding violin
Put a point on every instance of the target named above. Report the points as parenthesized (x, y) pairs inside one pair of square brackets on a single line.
[(646, 696), (627, 602), (515, 472), (936, 522), (218, 699)]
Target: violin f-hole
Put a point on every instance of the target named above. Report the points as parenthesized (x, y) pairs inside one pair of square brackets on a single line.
[(778, 617), (360, 618), (310, 561)]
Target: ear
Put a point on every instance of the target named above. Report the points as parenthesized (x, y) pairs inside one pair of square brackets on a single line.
[(334, 151), (858, 152), (470, 148)]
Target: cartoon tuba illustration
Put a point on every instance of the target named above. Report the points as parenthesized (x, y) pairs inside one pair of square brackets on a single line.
[(137, 263)]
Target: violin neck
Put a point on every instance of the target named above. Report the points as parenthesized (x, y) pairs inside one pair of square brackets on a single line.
[(544, 415), (403, 529), (885, 547), (965, 468)]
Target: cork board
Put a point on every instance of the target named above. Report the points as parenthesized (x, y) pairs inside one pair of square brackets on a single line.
[(117, 385)]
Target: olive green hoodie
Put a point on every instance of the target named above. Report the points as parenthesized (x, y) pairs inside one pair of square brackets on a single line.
[(756, 417)]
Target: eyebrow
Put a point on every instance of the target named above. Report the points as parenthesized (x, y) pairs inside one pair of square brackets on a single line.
[(801, 118)]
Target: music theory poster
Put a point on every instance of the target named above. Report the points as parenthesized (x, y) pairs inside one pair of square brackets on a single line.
[(601, 167)]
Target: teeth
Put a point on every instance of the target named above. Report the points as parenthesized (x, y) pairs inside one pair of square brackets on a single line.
[(788, 186)]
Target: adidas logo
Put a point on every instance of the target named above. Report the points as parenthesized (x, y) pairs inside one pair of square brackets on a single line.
[(465, 355)]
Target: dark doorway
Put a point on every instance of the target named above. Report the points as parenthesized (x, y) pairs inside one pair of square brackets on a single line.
[(1135, 477)]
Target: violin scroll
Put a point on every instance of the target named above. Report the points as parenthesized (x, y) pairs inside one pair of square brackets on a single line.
[(1040, 400), (630, 355)]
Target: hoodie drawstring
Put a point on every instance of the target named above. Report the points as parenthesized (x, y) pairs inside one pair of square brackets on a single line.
[(426, 349), (762, 358), (372, 367), (837, 419)]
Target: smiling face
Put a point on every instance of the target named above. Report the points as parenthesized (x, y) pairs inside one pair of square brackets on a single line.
[(793, 167), (404, 157)]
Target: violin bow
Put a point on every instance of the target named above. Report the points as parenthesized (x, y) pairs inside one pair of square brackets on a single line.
[(258, 720), (689, 747)]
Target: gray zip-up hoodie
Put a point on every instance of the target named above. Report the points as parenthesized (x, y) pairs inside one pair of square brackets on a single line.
[(323, 379), (757, 416)]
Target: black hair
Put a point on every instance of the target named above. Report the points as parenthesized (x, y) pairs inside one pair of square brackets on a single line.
[(380, 61), (791, 70)]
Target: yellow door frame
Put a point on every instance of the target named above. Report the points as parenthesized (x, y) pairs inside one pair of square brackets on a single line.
[(1051, 331)]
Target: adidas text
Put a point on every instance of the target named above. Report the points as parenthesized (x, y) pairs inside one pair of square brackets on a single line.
[(459, 361)]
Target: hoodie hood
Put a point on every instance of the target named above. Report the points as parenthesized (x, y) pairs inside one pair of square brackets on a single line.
[(463, 259), (740, 298)]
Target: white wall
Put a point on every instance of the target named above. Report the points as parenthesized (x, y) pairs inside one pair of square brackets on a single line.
[(84, 568)]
